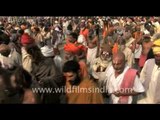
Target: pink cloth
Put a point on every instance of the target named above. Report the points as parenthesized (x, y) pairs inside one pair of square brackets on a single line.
[(127, 84), (142, 60)]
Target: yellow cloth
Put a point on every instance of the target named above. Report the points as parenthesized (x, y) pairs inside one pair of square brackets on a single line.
[(156, 50), (156, 46), (157, 42)]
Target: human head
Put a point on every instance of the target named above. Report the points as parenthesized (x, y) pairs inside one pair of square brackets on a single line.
[(156, 51), (23, 26), (106, 52), (72, 37), (118, 62), (20, 78), (5, 50), (34, 51), (71, 71)]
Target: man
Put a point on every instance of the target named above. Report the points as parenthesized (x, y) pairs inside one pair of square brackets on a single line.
[(146, 46), (99, 65), (127, 52), (123, 82), (45, 73), (25, 26), (5, 60), (150, 76), (37, 35), (26, 40), (82, 91), (72, 52)]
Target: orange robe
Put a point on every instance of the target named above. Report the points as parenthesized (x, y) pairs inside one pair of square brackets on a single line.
[(82, 93)]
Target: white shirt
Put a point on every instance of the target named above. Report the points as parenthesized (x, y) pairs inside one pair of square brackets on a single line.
[(114, 84), (82, 40), (138, 52), (150, 93)]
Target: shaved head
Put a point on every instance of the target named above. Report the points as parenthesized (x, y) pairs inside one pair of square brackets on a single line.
[(119, 55), (118, 62)]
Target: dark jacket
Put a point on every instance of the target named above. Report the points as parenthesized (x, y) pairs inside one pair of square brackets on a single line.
[(48, 77)]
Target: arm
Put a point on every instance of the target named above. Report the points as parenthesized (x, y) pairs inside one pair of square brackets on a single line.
[(137, 89)]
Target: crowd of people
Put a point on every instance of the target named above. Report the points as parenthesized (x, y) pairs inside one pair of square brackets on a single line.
[(118, 54)]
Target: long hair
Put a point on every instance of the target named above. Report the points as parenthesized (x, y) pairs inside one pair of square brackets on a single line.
[(22, 78), (35, 52)]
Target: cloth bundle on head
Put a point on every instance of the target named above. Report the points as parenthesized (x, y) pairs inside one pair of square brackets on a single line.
[(156, 46), (47, 51), (70, 47), (26, 39)]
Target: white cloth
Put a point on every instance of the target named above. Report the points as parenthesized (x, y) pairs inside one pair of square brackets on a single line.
[(91, 54), (82, 40), (128, 56), (6, 62), (15, 57), (102, 77), (96, 63), (146, 32), (138, 52), (130, 41), (26, 60), (114, 84), (150, 93), (47, 51), (58, 62), (27, 31)]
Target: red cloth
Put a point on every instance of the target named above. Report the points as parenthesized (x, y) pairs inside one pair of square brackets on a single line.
[(127, 84), (26, 39)]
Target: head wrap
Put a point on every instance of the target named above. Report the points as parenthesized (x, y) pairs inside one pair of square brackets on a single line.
[(47, 51), (156, 46), (70, 47)]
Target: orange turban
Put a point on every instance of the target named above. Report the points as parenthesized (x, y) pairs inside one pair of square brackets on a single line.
[(70, 47)]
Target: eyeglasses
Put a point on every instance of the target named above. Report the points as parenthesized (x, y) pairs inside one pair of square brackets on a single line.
[(105, 53)]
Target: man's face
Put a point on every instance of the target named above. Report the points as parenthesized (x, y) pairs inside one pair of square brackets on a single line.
[(157, 59), (118, 64), (70, 76), (71, 39), (105, 55), (23, 27), (123, 47)]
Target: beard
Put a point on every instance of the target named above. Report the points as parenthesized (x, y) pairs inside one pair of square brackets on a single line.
[(157, 62), (76, 81), (106, 58)]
